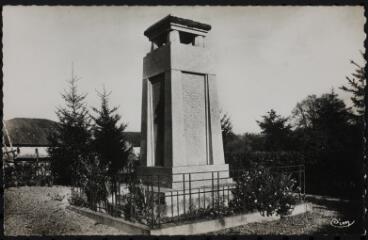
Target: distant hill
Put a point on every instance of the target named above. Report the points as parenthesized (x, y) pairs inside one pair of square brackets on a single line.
[(29, 131), (34, 132)]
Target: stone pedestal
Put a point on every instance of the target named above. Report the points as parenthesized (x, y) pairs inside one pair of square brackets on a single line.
[(181, 132)]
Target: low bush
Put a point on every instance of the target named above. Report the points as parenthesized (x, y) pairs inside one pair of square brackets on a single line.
[(26, 174), (139, 204), (266, 191), (77, 199), (94, 181)]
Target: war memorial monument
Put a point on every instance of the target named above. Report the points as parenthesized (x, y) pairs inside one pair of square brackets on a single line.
[(181, 132)]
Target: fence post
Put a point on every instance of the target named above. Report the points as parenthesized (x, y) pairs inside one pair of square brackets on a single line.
[(218, 189), (190, 193), (177, 202), (184, 191), (212, 190), (303, 180), (159, 197), (172, 204), (131, 194), (199, 197), (152, 202), (300, 179)]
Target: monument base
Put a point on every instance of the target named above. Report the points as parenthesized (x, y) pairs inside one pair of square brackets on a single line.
[(178, 178), (180, 190), (177, 202)]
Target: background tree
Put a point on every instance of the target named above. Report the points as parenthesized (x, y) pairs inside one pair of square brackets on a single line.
[(109, 141), (230, 141), (226, 128), (305, 112), (70, 143), (276, 131), (325, 136), (356, 84)]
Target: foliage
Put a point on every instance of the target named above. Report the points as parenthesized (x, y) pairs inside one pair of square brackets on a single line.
[(276, 131), (109, 141), (228, 137), (26, 174), (326, 136), (77, 199), (94, 180), (247, 150), (266, 191), (218, 210), (71, 140), (356, 85), (140, 203), (226, 128)]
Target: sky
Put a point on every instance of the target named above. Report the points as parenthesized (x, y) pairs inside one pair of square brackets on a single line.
[(266, 57)]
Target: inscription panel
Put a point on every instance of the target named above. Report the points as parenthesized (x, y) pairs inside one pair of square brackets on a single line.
[(194, 110)]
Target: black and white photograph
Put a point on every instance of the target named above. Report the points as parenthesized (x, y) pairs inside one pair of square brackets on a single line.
[(183, 120)]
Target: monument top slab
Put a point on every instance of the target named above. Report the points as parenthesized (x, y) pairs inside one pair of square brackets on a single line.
[(172, 22)]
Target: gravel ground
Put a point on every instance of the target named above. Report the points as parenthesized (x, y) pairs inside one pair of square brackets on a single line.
[(315, 222), (42, 211)]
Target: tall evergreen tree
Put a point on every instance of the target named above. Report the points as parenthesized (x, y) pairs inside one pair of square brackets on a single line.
[(109, 139), (276, 131), (356, 84), (71, 140)]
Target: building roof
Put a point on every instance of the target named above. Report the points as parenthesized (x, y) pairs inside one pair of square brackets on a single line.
[(164, 24), (32, 132), (29, 131)]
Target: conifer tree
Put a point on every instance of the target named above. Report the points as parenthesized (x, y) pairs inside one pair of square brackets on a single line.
[(276, 131), (70, 143), (356, 84), (109, 139)]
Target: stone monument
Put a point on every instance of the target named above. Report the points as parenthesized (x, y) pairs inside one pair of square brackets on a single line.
[(181, 131)]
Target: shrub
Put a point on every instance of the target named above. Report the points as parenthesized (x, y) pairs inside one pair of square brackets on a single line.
[(139, 203), (77, 199), (26, 174), (265, 191), (93, 180)]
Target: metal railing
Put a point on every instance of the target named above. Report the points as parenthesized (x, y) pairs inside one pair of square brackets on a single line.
[(158, 199)]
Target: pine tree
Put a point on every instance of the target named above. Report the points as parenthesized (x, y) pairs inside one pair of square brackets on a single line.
[(109, 139), (356, 87), (276, 131), (70, 143)]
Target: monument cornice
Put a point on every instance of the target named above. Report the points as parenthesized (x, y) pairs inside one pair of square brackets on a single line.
[(171, 22)]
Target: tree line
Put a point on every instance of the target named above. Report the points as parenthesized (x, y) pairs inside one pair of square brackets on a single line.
[(321, 132)]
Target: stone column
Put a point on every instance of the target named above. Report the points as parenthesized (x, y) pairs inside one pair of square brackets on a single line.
[(168, 148), (173, 37), (144, 126), (199, 41), (178, 143), (153, 46), (216, 135)]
